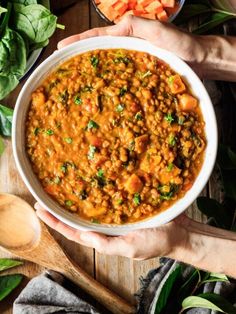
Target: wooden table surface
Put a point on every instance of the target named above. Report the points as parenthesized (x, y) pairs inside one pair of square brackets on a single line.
[(119, 274)]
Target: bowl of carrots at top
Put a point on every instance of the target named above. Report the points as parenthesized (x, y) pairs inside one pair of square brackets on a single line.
[(112, 11)]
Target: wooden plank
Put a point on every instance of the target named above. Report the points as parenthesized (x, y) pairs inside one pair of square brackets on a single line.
[(76, 19)]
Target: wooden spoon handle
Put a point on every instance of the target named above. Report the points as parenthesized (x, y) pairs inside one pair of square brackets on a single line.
[(110, 300)]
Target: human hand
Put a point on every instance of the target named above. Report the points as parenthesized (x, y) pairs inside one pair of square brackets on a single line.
[(164, 35), (167, 240)]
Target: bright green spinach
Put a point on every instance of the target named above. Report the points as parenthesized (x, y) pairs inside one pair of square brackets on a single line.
[(5, 120)]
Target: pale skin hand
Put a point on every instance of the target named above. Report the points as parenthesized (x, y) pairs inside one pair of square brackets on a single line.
[(182, 239)]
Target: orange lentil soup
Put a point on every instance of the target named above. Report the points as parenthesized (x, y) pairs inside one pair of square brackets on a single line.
[(115, 136)]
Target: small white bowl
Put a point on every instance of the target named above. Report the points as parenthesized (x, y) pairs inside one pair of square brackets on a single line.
[(46, 67)]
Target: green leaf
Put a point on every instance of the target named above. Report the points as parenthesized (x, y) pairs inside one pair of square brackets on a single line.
[(210, 301), (6, 263), (215, 20), (2, 146), (9, 283), (2, 10), (165, 287), (214, 277), (5, 120), (189, 285), (212, 208), (190, 10), (226, 157)]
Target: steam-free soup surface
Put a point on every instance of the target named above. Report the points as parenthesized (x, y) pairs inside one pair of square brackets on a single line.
[(115, 136)]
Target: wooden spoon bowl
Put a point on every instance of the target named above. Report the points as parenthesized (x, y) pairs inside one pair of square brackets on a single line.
[(22, 234)]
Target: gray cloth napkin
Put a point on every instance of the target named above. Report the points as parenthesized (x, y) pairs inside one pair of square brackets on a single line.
[(44, 295)]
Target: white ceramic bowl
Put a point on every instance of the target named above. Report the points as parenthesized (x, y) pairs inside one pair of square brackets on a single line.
[(47, 67)]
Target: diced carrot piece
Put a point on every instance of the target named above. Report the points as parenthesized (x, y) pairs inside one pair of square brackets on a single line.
[(176, 84), (139, 12), (110, 14), (140, 8), (151, 16), (141, 143), (168, 3), (187, 102), (120, 7), (134, 184), (171, 11), (145, 3), (94, 140), (131, 5), (154, 7), (162, 16)]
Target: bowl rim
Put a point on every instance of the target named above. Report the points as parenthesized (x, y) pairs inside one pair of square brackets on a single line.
[(106, 42)]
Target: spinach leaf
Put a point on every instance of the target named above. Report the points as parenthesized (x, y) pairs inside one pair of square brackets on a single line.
[(43, 22), (7, 84), (6, 263), (210, 301), (2, 146), (215, 20), (9, 283), (2, 10), (12, 54), (5, 120)]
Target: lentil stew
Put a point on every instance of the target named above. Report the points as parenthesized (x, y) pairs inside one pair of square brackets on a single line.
[(115, 135)]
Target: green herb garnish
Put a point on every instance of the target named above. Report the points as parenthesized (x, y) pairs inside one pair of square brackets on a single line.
[(91, 152), (57, 180), (77, 100), (124, 60), (94, 61), (49, 132), (63, 97), (131, 146), (181, 120), (168, 191), (172, 140), (138, 116), (100, 173), (120, 108), (146, 74), (68, 140), (171, 79), (92, 125), (119, 201), (170, 166), (36, 131), (137, 199), (68, 203), (123, 90), (169, 118), (87, 88)]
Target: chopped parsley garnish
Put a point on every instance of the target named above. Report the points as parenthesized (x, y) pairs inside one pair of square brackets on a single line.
[(172, 140), (169, 118), (36, 131), (68, 140), (95, 221), (124, 60), (138, 116), (91, 152), (94, 61), (100, 173), (168, 191), (92, 125), (120, 108), (64, 168), (170, 166), (77, 100), (137, 199), (49, 132), (57, 180), (123, 90), (68, 203)]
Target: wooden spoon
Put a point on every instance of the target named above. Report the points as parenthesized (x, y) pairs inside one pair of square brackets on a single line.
[(22, 234)]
